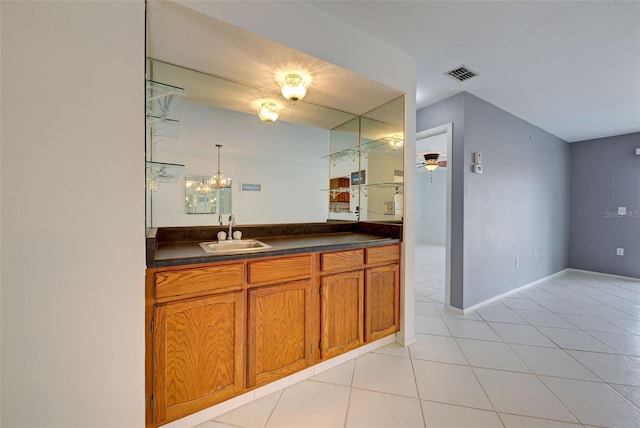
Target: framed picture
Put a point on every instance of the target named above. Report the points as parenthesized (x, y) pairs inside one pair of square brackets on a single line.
[(358, 177)]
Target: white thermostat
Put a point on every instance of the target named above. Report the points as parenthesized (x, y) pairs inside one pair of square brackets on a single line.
[(477, 158)]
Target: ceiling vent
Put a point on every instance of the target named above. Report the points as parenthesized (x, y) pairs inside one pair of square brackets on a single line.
[(461, 73)]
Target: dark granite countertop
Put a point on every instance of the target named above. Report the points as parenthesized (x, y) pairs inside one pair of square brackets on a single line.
[(180, 246)]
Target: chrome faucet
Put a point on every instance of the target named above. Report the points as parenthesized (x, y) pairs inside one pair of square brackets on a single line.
[(232, 222)]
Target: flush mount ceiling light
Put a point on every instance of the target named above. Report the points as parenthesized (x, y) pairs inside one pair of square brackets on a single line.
[(294, 87), (268, 112), (218, 180), (395, 141)]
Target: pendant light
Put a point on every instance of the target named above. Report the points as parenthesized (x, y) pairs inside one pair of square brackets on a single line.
[(218, 180)]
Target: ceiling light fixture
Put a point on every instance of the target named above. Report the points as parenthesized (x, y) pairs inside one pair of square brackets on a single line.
[(218, 180), (395, 141), (268, 112), (431, 163), (294, 87)]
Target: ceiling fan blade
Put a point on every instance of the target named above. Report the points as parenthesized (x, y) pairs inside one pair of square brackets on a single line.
[(442, 164)]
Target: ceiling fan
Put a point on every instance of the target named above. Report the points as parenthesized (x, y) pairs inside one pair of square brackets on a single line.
[(431, 162)]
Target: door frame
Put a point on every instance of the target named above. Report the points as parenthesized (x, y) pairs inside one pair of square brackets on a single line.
[(442, 129)]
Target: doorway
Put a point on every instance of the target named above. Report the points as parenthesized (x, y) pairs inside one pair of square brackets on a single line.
[(433, 190)]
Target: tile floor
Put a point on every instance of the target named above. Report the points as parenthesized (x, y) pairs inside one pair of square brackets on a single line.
[(563, 353)]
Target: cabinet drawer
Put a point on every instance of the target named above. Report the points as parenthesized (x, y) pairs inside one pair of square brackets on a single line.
[(342, 260), (275, 270), (197, 281), (389, 253)]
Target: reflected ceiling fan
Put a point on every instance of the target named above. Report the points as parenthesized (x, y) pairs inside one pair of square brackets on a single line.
[(431, 162)]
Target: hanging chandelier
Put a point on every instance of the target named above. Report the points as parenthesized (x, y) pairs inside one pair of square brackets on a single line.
[(218, 180)]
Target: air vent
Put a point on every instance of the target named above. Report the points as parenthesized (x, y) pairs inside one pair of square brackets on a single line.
[(461, 73)]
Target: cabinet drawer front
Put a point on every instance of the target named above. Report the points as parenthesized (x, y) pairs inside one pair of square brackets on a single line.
[(389, 253), (195, 281), (274, 270), (342, 260)]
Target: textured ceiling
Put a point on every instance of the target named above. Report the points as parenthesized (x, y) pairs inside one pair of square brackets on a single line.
[(570, 67)]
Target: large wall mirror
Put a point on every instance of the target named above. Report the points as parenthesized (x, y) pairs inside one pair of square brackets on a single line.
[(204, 78)]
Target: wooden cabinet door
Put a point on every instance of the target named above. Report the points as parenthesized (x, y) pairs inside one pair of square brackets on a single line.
[(341, 312), (279, 331), (198, 354), (382, 302)]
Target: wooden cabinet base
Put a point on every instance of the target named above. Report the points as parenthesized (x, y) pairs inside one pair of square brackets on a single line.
[(199, 353), (217, 330), (279, 331)]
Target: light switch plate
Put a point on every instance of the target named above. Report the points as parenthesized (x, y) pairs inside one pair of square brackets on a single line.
[(622, 210), (477, 169)]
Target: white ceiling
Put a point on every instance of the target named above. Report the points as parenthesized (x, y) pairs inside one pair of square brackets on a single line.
[(250, 66), (570, 67)]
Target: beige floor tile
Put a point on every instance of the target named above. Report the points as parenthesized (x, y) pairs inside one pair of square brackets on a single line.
[(515, 421), (574, 339), (521, 334), (595, 403), (311, 404), (339, 375), (469, 329), (448, 383), (553, 362), (369, 409), (431, 325), (385, 373), (439, 415), (214, 424), (609, 367), (631, 393), (437, 348), (491, 355), (254, 414), (521, 394), (393, 349)]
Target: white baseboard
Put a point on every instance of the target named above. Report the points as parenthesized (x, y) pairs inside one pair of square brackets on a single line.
[(508, 293)]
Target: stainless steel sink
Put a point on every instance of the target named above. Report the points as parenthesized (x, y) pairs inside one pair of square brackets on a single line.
[(233, 246)]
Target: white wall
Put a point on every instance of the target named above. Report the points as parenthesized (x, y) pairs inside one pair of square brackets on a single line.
[(291, 170), (431, 202), (72, 258), (72, 214)]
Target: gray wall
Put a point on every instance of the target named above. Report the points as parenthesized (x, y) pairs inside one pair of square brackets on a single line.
[(431, 204), (605, 175), (517, 208), (451, 110)]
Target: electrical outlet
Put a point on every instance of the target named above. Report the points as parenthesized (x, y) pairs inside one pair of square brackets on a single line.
[(622, 211), (620, 251), (517, 261)]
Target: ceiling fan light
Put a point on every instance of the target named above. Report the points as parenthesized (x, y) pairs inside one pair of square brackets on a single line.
[(268, 112), (294, 87), (431, 166)]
